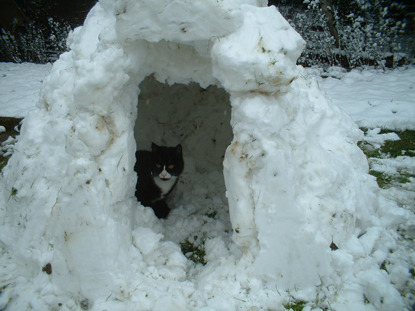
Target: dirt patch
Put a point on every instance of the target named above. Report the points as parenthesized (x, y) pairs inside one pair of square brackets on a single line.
[(10, 124)]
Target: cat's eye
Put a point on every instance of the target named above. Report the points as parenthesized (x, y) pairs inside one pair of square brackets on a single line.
[(158, 165), (171, 166)]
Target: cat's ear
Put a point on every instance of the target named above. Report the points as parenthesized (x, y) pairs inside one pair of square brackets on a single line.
[(154, 147), (179, 148)]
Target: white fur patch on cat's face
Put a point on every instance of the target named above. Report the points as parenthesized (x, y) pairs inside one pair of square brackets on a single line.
[(164, 174), (165, 181), (165, 184)]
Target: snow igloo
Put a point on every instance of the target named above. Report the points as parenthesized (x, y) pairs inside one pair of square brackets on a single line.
[(275, 189)]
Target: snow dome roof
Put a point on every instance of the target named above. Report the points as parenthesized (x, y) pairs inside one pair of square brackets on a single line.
[(296, 181)]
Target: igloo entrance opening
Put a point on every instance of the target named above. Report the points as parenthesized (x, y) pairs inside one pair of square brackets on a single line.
[(199, 119)]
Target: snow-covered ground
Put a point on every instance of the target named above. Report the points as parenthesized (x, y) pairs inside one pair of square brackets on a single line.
[(373, 99), (19, 87)]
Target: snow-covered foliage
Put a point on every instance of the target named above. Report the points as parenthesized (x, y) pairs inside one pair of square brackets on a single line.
[(304, 221), (350, 33), (37, 43)]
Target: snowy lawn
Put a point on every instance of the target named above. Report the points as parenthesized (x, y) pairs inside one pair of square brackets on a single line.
[(381, 103)]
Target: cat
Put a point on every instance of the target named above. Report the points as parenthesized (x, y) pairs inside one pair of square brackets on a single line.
[(158, 171)]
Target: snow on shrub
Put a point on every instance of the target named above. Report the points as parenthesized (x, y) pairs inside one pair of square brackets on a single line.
[(350, 33), (36, 43)]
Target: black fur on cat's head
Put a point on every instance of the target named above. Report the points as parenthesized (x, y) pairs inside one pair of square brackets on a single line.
[(169, 159)]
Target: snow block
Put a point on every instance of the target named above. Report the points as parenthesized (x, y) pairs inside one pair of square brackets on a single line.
[(259, 56), (296, 182)]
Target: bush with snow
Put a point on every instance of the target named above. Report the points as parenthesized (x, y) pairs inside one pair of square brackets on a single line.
[(351, 33), (37, 43)]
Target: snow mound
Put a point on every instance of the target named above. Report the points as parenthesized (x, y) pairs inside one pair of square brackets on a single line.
[(306, 220)]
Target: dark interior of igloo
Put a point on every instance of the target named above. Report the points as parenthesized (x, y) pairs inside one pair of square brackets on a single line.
[(199, 119)]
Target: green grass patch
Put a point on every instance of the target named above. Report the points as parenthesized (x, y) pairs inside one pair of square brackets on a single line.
[(383, 180), (194, 251), (405, 146), (369, 150), (295, 306), (391, 148)]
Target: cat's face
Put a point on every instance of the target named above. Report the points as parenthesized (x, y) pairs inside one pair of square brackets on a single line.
[(167, 161)]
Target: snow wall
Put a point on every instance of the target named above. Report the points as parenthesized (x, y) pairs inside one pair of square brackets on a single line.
[(73, 234)]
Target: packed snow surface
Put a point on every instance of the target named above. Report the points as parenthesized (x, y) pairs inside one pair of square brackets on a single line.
[(72, 234)]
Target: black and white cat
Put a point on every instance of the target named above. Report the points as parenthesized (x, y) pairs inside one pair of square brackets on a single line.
[(158, 171)]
